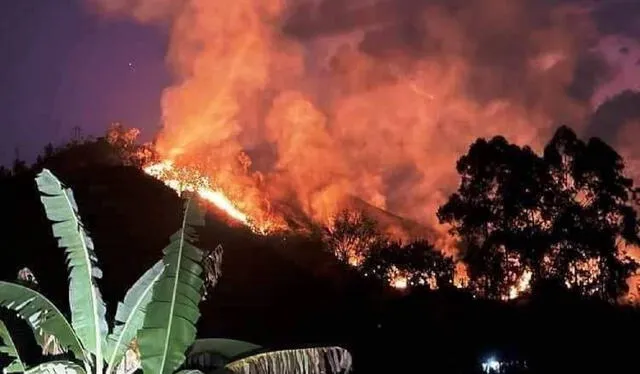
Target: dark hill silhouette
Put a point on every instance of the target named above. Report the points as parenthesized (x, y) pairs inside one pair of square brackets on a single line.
[(286, 290), (274, 291)]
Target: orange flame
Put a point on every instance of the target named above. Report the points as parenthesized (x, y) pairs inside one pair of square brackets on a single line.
[(336, 101), (523, 285), (343, 101), (170, 175)]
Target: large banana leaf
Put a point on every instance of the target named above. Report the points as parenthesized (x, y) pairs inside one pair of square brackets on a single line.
[(41, 315), (57, 367), (319, 360), (87, 307), (169, 325), (9, 348), (130, 315)]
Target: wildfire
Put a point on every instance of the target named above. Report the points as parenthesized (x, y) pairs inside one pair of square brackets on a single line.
[(339, 101), (190, 180)]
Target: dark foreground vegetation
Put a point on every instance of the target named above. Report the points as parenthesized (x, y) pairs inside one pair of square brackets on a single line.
[(285, 291)]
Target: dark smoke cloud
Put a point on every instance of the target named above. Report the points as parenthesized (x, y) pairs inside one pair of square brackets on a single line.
[(615, 114), (501, 33), (618, 17), (516, 50), (591, 71), (617, 121)]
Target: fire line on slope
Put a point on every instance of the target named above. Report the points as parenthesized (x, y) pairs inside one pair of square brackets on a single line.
[(166, 172)]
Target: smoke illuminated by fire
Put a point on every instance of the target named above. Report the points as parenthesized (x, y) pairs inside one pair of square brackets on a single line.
[(372, 99), (313, 101)]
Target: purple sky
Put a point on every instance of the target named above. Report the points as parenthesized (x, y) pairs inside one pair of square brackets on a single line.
[(61, 67)]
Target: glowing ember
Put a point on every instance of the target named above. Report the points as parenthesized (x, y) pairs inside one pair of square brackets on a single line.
[(399, 283), (584, 275), (398, 279), (524, 282), (167, 173)]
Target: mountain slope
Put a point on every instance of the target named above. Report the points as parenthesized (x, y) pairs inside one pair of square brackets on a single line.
[(389, 223), (273, 290)]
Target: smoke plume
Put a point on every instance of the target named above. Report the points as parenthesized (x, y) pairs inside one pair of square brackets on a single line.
[(374, 99)]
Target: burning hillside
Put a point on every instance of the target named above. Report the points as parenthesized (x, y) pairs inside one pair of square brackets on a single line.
[(267, 222), (267, 218), (315, 105), (373, 99)]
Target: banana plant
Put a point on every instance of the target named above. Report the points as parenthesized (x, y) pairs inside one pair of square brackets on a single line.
[(86, 337), (317, 360), (88, 310), (169, 326), (154, 326), (167, 338), (121, 352), (222, 356)]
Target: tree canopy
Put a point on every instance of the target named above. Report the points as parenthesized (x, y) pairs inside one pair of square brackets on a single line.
[(564, 215), (414, 265), (354, 238)]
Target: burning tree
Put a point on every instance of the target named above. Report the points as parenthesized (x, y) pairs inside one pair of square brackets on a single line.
[(416, 264), (124, 141), (352, 235), (565, 215), (354, 238)]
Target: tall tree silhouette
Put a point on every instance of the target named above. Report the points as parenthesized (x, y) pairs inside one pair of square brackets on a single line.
[(593, 219), (496, 212), (565, 215)]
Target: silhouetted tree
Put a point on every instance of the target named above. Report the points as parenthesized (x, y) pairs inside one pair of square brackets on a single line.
[(19, 167), (352, 235), (496, 212), (563, 215), (117, 148), (48, 151), (418, 263), (591, 214)]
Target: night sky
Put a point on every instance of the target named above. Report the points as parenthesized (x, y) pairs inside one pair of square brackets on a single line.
[(62, 67)]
